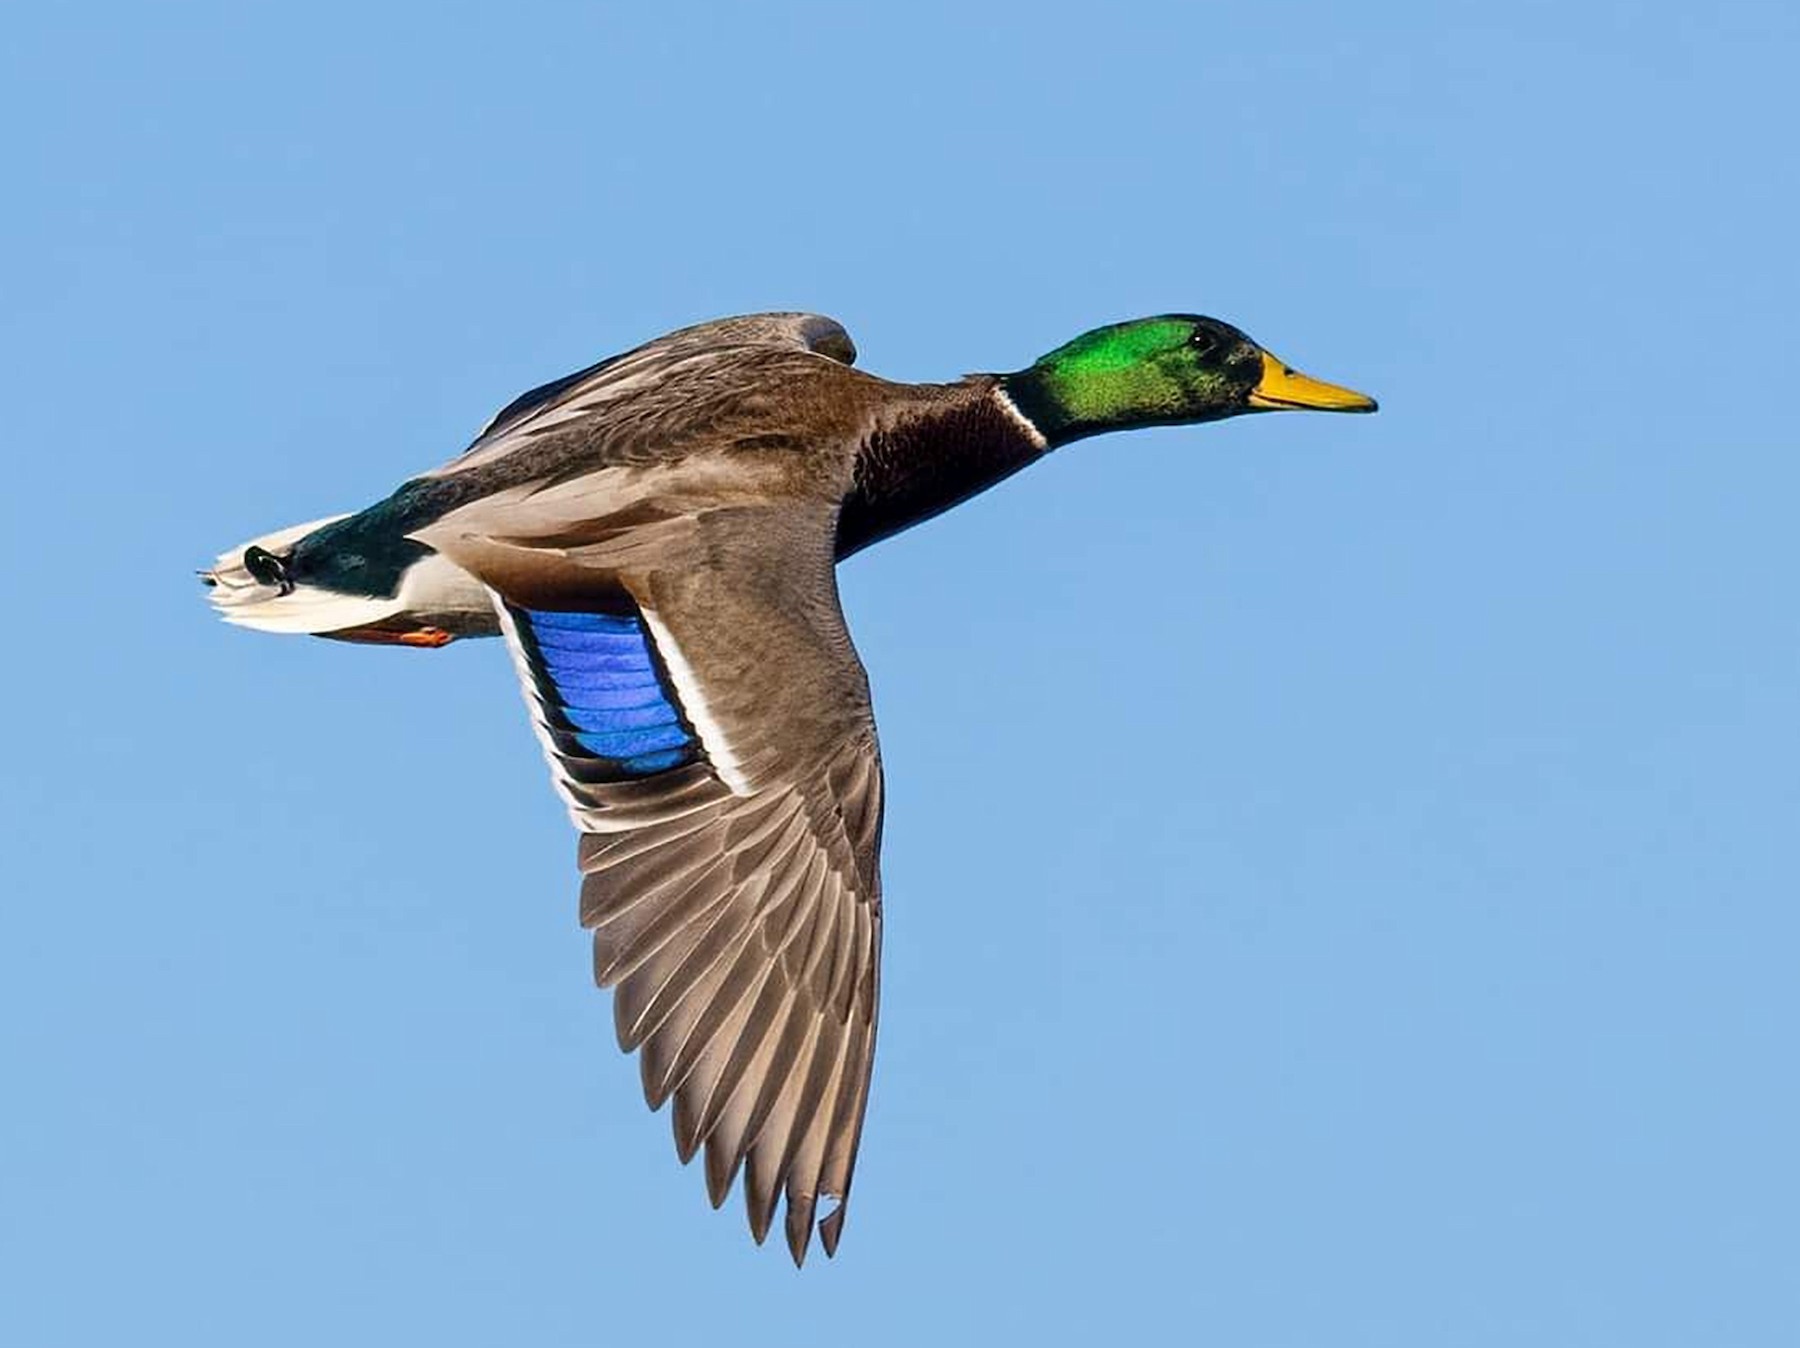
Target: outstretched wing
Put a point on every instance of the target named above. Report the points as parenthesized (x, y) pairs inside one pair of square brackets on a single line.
[(708, 724), (593, 391)]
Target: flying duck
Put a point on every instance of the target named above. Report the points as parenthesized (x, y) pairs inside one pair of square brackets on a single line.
[(655, 537)]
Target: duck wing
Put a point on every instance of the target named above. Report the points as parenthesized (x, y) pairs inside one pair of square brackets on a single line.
[(707, 721), (615, 383)]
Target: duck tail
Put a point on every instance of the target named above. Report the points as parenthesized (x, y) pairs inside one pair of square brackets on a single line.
[(433, 602), (249, 588)]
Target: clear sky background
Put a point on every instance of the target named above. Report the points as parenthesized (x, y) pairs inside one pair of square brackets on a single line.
[(1341, 873)]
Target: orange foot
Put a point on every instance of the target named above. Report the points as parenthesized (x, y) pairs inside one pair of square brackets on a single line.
[(379, 635)]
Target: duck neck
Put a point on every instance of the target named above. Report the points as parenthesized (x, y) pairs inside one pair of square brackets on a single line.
[(1065, 407), (934, 451)]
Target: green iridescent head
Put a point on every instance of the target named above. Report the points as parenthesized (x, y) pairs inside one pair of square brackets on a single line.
[(1163, 371)]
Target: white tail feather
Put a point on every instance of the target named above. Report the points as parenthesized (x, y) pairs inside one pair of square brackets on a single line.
[(435, 595)]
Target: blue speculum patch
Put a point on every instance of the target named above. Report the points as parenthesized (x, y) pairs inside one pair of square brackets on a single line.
[(601, 684)]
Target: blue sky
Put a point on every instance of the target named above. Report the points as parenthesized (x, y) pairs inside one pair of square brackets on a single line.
[(1340, 872)]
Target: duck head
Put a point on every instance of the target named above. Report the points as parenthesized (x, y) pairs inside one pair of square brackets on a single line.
[(1164, 371)]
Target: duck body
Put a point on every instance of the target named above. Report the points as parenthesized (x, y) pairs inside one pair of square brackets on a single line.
[(656, 539), (903, 453)]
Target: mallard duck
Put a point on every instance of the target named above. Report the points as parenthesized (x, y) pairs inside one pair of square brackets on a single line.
[(655, 537)]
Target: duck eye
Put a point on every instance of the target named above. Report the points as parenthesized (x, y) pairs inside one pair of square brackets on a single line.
[(1203, 342)]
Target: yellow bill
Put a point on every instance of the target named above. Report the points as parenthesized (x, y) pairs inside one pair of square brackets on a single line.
[(1283, 388)]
